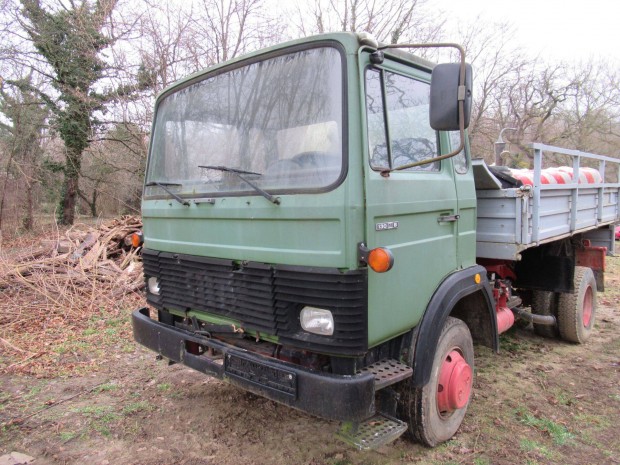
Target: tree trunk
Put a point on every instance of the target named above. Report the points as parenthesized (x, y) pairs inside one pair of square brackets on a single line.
[(93, 203), (70, 188), (68, 200), (3, 196), (28, 221)]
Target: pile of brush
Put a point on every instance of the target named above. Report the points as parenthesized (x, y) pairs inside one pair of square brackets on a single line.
[(101, 257), (52, 289)]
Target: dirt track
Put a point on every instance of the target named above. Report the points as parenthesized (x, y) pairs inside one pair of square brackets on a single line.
[(538, 402)]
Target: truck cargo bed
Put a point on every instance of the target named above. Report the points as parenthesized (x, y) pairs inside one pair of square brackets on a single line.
[(513, 219)]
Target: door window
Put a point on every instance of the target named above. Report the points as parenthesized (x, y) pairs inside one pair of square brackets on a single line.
[(460, 160), (399, 132)]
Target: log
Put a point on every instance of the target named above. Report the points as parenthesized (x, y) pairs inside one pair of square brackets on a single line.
[(126, 290), (26, 269), (89, 260), (87, 243), (64, 246), (30, 254)]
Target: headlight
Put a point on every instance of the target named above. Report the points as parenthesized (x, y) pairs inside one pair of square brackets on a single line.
[(317, 321), (153, 283)]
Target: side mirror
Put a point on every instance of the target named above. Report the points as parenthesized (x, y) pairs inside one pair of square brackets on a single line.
[(444, 101)]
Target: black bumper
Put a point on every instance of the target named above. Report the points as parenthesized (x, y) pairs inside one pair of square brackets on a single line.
[(335, 397)]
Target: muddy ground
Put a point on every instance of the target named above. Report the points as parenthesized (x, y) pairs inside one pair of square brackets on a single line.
[(539, 401)]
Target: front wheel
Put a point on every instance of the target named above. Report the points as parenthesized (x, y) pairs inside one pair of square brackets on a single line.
[(435, 411)]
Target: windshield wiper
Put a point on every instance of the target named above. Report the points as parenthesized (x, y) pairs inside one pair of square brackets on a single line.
[(227, 169), (163, 186), (272, 198)]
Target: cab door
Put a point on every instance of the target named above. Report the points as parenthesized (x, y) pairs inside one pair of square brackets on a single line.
[(467, 203), (412, 212)]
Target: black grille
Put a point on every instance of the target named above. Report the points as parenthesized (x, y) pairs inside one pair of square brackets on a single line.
[(265, 298)]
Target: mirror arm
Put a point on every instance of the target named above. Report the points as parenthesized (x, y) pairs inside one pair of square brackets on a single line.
[(461, 99), (386, 173)]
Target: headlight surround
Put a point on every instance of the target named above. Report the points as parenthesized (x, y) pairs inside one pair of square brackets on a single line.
[(153, 285), (317, 321)]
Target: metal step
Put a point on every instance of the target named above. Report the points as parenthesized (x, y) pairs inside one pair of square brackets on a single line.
[(372, 433), (387, 372)]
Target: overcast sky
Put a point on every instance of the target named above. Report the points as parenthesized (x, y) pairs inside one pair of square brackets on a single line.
[(556, 29)]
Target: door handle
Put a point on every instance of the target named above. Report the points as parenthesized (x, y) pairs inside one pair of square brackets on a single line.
[(448, 218)]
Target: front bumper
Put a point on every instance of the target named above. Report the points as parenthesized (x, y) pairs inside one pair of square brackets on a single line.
[(335, 397)]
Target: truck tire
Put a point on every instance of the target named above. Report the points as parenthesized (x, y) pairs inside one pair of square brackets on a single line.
[(577, 310), (435, 411), (545, 303)]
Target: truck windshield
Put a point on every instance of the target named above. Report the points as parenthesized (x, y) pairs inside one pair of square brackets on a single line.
[(280, 119)]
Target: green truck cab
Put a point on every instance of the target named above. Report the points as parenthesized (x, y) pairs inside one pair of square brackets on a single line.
[(287, 252)]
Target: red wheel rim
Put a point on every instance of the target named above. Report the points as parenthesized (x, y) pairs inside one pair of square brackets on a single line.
[(587, 307), (455, 382)]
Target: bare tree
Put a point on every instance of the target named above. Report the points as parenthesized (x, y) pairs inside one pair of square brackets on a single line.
[(22, 137), (113, 173), (391, 21), (589, 119), (496, 60), (225, 29), (165, 43)]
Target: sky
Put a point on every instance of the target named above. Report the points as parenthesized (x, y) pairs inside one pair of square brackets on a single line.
[(566, 30)]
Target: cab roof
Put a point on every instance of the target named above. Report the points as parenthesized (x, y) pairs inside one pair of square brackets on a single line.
[(351, 41)]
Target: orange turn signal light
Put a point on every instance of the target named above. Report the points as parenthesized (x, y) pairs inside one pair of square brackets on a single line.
[(380, 259), (137, 239)]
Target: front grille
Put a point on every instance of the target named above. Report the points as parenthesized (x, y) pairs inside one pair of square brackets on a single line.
[(342, 293), (265, 298)]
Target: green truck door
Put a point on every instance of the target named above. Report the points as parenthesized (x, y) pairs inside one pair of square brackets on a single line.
[(466, 195), (412, 212)]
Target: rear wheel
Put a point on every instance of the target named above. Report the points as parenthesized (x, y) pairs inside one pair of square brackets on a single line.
[(577, 310), (435, 411), (545, 303)]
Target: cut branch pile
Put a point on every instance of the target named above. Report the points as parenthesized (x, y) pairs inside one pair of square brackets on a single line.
[(60, 284), (102, 255)]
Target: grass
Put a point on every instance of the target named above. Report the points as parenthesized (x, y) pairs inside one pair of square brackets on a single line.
[(66, 436), (135, 407), (595, 421), (481, 461), (527, 445), (565, 399), (34, 392), (514, 343), (101, 419), (107, 387), (4, 400), (128, 348), (70, 352), (559, 433), (92, 410), (593, 439)]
